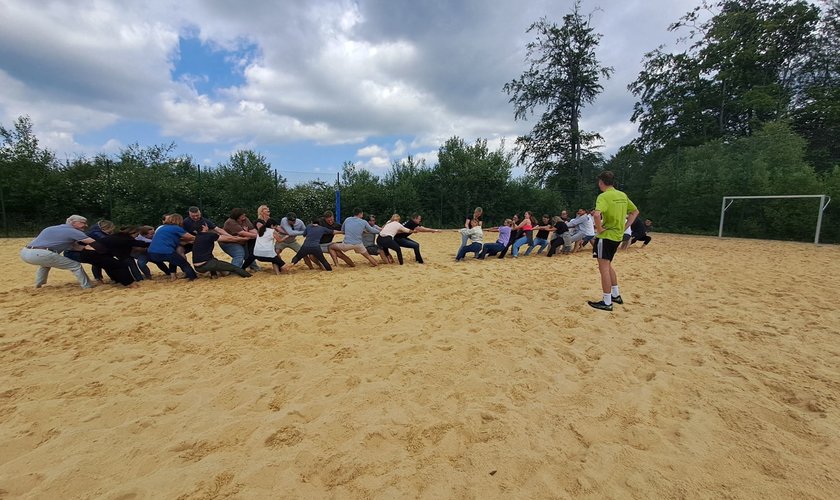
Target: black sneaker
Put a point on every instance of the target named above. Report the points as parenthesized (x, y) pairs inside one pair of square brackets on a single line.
[(618, 300), (600, 305)]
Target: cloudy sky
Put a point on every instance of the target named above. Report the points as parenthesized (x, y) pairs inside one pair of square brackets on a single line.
[(308, 84)]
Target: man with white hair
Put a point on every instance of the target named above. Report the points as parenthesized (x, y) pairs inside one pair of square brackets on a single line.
[(45, 250)]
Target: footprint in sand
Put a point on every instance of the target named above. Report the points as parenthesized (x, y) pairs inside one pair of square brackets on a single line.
[(344, 353), (286, 436)]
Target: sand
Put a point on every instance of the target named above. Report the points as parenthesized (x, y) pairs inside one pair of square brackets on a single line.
[(718, 378)]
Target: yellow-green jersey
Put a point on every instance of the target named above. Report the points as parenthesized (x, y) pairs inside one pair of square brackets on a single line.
[(614, 206)]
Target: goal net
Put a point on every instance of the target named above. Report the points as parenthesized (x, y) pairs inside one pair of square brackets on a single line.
[(824, 201)]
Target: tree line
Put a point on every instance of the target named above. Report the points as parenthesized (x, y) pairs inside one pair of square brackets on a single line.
[(749, 106), (140, 184)]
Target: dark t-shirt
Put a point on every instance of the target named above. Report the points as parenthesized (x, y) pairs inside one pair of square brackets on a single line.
[(203, 246), (638, 228), (561, 227), (543, 233), (470, 218), (194, 226), (119, 245), (314, 235), (327, 237), (409, 224)]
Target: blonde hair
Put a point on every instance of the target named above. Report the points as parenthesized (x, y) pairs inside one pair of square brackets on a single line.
[(260, 211), (106, 226), (395, 218), (174, 220)]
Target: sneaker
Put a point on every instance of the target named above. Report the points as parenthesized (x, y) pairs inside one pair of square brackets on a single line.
[(600, 305), (618, 300)]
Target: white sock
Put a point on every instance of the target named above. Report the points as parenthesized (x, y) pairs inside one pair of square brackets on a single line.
[(607, 299), (615, 291)]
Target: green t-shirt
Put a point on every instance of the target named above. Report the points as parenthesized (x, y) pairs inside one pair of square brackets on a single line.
[(614, 206)]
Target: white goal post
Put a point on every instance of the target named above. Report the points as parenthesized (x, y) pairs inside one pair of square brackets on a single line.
[(824, 201)]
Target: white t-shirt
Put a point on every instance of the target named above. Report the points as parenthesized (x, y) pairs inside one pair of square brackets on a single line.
[(264, 246)]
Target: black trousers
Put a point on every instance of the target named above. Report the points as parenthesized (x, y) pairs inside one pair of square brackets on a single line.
[(274, 260), (409, 243), (388, 243), (216, 265), (315, 252), (116, 269)]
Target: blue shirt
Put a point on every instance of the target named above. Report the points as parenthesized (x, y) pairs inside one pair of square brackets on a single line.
[(166, 239), (354, 228), (59, 238)]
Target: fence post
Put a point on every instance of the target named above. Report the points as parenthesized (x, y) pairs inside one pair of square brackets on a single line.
[(110, 194), (199, 187), (337, 198), (3, 209)]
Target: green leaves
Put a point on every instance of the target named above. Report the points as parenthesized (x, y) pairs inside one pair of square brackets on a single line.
[(564, 75), (744, 69)]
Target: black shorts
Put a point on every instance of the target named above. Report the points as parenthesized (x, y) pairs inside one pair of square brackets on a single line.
[(605, 249)]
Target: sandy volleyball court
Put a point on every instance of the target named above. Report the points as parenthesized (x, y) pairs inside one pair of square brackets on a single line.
[(719, 377)]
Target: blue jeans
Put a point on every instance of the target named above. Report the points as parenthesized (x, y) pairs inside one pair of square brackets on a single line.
[(143, 265), (176, 259), (238, 253), (491, 249), (472, 247), (518, 243), (464, 236), (542, 243)]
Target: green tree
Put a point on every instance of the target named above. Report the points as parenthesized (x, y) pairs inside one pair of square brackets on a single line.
[(27, 178), (360, 188), (563, 77), (308, 200), (148, 182), (245, 181), (689, 184), (404, 186), (817, 113), (741, 71), (470, 175)]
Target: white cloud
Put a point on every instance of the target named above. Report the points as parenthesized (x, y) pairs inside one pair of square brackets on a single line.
[(376, 164), (372, 150), (329, 72), (111, 146)]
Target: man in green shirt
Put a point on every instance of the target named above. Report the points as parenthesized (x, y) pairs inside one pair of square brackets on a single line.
[(612, 209)]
